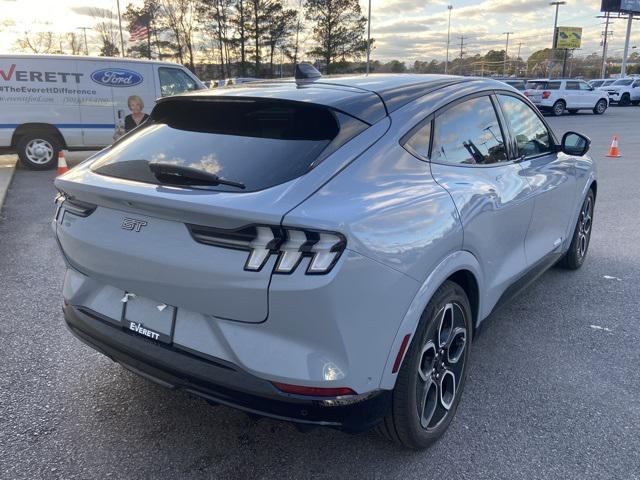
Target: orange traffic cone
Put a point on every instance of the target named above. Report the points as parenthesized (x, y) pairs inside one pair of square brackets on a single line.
[(614, 152), (62, 163)]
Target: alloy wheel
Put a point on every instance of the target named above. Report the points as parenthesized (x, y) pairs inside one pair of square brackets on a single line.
[(441, 366), (584, 226)]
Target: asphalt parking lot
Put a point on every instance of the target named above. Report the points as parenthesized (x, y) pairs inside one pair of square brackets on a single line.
[(553, 390)]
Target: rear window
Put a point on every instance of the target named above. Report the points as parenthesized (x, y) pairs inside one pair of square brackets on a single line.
[(543, 85), (257, 143)]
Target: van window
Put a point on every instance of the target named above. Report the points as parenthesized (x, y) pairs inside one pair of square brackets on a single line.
[(174, 81), (259, 143), (468, 134)]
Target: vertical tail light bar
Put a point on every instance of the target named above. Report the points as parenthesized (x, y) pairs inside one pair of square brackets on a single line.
[(291, 245)]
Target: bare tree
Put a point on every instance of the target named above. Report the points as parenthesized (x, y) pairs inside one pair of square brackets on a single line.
[(75, 43), (107, 29), (179, 16), (39, 42)]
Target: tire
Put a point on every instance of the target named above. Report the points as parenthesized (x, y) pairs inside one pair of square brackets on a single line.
[(600, 107), (38, 151), (573, 111), (449, 308), (558, 108), (575, 257), (625, 100)]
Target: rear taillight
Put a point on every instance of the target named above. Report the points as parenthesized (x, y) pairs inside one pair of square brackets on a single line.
[(81, 209), (546, 94), (290, 245)]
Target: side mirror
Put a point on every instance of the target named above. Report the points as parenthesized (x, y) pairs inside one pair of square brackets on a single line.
[(575, 144)]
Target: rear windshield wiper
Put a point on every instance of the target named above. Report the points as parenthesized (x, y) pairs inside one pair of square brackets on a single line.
[(173, 174)]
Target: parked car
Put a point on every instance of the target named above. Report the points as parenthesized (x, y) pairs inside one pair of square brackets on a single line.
[(624, 91), (54, 102), (556, 96), (601, 82), (321, 251), (517, 83)]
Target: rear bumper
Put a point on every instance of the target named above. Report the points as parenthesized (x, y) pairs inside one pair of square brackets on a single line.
[(222, 382)]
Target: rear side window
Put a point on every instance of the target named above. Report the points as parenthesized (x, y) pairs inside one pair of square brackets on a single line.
[(553, 86), (573, 86), (257, 143), (468, 134), (532, 136), (174, 81)]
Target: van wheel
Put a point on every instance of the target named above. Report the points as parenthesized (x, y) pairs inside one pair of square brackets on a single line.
[(600, 107), (38, 151), (432, 376), (558, 108)]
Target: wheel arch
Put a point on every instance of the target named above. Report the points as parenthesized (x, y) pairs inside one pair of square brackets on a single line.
[(31, 128), (461, 267)]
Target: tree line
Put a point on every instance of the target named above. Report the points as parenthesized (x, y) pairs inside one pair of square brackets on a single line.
[(249, 37)]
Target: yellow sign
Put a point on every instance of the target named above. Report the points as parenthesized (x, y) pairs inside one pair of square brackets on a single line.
[(569, 37)]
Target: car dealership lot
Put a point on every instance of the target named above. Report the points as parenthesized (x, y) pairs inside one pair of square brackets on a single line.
[(553, 390)]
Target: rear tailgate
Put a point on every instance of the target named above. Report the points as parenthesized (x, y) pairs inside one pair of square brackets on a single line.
[(183, 246)]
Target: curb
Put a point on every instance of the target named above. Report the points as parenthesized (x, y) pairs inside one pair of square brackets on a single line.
[(7, 167)]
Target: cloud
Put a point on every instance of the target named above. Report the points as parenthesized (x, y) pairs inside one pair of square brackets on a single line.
[(404, 26), (406, 6), (95, 12)]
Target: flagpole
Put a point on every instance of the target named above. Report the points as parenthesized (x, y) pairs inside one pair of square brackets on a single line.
[(120, 26)]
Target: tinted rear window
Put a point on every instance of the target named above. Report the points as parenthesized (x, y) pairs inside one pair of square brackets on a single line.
[(543, 85), (257, 143)]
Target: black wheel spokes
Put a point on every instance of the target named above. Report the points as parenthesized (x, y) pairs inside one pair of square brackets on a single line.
[(441, 366)]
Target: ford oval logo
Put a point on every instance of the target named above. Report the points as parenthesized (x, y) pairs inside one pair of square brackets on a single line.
[(116, 77)]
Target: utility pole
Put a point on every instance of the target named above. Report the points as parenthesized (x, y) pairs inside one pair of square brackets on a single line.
[(603, 71), (120, 26), (86, 47), (506, 52), (461, 54), (623, 71), (555, 36), (518, 57), (446, 62), (368, 37)]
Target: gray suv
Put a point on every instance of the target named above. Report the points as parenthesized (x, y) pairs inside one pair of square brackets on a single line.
[(320, 251)]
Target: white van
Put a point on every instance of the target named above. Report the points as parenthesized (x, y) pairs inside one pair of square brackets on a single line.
[(54, 102)]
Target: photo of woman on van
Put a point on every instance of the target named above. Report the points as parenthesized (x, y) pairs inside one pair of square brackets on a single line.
[(137, 116)]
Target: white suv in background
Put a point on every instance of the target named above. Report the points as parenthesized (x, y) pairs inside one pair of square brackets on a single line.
[(556, 96), (624, 91)]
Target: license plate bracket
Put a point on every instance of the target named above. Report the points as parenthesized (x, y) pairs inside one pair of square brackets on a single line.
[(149, 318)]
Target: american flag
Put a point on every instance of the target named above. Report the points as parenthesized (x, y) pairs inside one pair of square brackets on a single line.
[(138, 32)]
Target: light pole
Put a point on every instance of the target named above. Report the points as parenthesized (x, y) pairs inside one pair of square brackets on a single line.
[(506, 52), (120, 26), (446, 62), (368, 37), (623, 71), (553, 41)]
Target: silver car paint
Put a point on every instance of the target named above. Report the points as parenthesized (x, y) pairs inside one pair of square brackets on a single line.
[(409, 225)]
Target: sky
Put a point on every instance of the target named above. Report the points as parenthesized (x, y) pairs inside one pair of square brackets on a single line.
[(407, 30)]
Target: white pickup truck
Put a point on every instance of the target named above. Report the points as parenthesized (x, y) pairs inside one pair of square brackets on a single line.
[(624, 91), (54, 102)]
